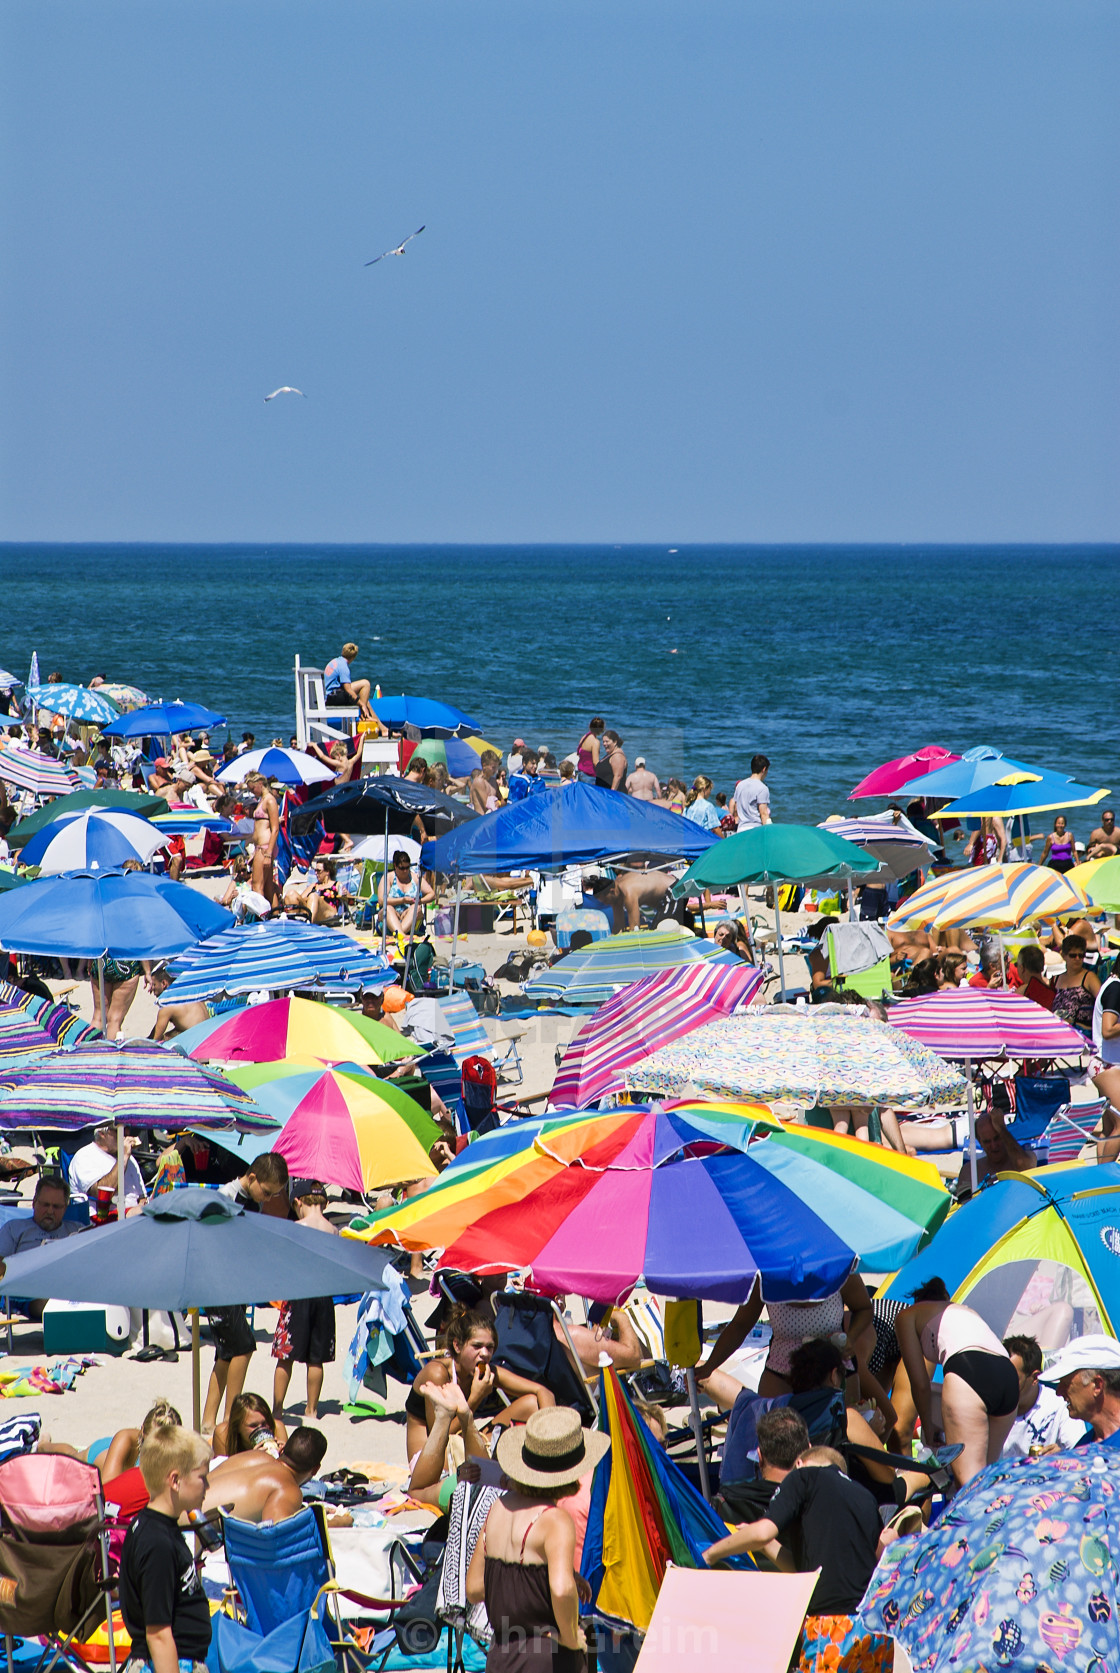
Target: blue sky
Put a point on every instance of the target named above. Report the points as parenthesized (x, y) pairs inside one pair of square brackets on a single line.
[(709, 271)]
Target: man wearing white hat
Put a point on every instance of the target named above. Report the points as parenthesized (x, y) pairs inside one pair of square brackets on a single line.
[(1086, 1374)]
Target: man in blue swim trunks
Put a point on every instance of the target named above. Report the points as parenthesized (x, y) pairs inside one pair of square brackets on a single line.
[(341, 689)]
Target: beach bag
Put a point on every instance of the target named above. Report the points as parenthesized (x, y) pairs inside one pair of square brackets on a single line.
[(682, 1333)]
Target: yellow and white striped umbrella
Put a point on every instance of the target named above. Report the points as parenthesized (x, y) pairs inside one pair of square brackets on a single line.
[(1000, 897)]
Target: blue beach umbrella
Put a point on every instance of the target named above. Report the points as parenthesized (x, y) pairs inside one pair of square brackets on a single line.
[(114, 914), (1020, 793), (976, 769), (425, 713), (277, 956), (96, 840), (77, 702), (163, 720)]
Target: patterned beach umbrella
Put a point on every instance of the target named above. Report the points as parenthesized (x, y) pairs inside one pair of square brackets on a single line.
[(274, 955), (97, 840), (807, 1057), (1019, 1570), (974, 1023), (31, 1025), (124, 698), (591, 975), (303, 1029), (347, 1129), (42, 775), (135, 1083), (77, 702), (642, 1016), (1001, 897), (904, 769)]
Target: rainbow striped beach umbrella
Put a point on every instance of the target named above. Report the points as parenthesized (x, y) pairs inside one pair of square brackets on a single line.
[(644, 1515), (41, 775), (642, 1016), (136, 1083), (303, 1029), (1002, 897), (31, 1025), (975, 1023)]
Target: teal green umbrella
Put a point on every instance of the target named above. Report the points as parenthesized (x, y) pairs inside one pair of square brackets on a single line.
[(774, 854)]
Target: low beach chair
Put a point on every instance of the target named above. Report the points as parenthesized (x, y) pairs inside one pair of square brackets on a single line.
[(55, 1578), (1069, 1131)]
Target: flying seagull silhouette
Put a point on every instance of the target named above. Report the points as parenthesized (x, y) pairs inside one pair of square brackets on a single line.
[(398, 249), (285, 389)]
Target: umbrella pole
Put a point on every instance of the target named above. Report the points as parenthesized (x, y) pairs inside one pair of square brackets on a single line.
[(196, 1374), (385, 881), (120, 1171), (778, 935), (101, 995), (1002, 958), (971, 1126), (455, 932), (698, 1431)]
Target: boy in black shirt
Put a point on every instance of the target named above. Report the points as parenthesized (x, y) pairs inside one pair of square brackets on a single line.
[(162, 1600)]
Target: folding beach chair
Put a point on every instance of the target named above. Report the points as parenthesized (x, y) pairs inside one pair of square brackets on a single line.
[(1069, 1131), (54, 1559), (283, 1613), (527, 1344)]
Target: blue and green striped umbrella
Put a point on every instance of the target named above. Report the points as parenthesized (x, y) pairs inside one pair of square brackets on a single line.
[(135, 1084), (591, 975)]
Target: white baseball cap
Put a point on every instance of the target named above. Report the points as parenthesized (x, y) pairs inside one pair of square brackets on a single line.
[(639, 760), (1087, 1353)]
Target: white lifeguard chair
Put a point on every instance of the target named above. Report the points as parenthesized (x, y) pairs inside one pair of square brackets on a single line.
[(314, 720)]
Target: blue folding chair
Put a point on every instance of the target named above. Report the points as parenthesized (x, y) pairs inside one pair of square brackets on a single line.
[(288, 1619)]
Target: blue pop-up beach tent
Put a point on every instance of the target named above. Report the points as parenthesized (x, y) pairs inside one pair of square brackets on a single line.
[(576, 825), (1032, 1249)]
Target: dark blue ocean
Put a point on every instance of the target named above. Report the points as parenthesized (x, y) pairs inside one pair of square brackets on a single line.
[(828, 659)]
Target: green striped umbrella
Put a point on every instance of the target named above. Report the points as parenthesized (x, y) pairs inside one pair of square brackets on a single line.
[(590, 975)]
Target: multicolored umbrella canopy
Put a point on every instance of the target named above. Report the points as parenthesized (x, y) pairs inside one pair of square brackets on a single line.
[(31, 1025), (135, 1083), (1020, 793), (904, 769), (1001, 897), (807, 1057), (898, 847), (775, 854), (1099, 881), (974, 1023), (287, 766), (591, 975), (669, 1205), (77, 702), (505, 1165), (304, 1030), (124, 698), (41, 775), (644, 1515), (101, 839), (1019, 1570), (642, 1016), (78, 802), (347, 1129)]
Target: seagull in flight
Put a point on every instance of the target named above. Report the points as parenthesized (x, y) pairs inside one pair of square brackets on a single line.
[(285, 389), (398, 249)]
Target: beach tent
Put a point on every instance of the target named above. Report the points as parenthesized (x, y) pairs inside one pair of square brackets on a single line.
[(577, 825), (1036, 1253)]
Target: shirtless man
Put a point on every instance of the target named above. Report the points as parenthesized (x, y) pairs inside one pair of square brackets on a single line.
[(484, 783), (264, 1489), (177, 1017), (1105, 840), (629, 892)]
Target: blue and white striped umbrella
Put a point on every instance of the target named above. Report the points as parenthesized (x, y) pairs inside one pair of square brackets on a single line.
[(277, 955), (99, 839), (76, 701), (287, 766)]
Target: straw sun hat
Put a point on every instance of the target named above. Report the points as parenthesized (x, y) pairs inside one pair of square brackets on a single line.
[(552, 1450)]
